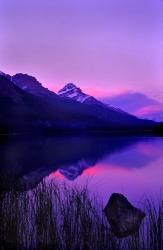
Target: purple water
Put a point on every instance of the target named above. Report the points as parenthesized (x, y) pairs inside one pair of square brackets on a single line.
[(136, 171)]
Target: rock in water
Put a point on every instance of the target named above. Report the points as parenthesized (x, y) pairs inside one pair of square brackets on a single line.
[(123, 217)]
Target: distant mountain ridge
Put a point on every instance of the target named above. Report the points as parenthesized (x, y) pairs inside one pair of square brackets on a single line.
[(107, 111), (22, 111), (28, 105), (73, 92), (137, 104)]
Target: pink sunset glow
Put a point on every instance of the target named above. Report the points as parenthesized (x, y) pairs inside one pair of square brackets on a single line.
[(147, 110), (103, 46), (96, 91), (125, 171), (106, 179), (57, 175)]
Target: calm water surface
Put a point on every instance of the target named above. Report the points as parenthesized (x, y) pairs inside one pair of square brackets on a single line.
[(36, 215), (129, 165), (136, 170)]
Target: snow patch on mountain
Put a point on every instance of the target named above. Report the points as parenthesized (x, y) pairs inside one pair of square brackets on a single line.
[(70, 90)]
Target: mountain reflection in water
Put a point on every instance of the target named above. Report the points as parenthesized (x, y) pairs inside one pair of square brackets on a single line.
[(117, 164)]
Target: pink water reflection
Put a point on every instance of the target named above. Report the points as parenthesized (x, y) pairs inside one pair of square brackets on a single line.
[(137, 172)]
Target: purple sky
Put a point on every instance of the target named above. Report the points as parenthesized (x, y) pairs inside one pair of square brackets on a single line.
[(104, 46)]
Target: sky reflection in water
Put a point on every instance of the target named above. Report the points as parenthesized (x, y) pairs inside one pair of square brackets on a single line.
[(136, 171)]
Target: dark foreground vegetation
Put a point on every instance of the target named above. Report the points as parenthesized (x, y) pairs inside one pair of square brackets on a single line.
[(62, 218)]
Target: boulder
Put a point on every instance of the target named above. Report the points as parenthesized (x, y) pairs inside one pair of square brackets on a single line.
[(123, 217)]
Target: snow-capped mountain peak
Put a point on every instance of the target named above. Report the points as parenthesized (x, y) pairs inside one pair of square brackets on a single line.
[(69, 86), (72, 91)]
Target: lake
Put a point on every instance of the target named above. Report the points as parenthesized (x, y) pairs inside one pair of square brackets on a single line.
[(134, 167), (129, 165), (44, 202)]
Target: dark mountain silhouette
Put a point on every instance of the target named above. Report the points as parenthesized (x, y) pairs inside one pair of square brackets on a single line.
[(108, 113), (137, 104), (31, 85), (22, 111), (28, 106), (9, 77)]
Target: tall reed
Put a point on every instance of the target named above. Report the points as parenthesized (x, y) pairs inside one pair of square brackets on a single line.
[(63, 218)]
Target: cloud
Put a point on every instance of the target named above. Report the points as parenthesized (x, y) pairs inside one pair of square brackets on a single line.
[(148, 110)]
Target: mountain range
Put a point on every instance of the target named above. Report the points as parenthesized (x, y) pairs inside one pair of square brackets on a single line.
[(26, 105), (137, 104)]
